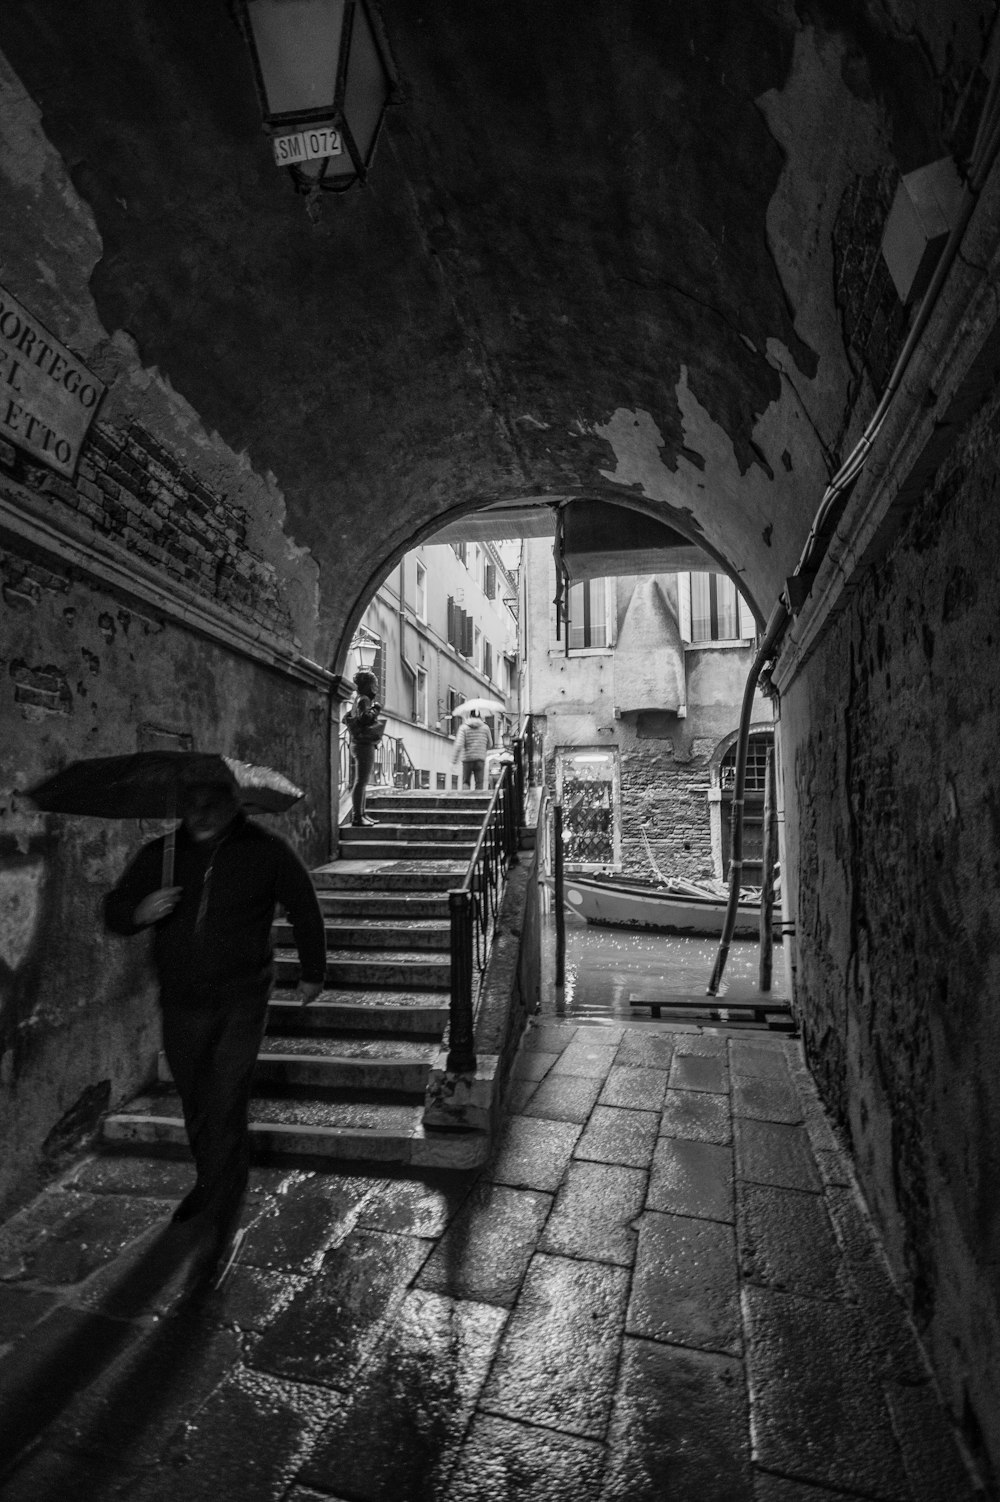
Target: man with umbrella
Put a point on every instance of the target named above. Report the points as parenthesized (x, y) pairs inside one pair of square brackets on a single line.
[(211, 923), (471, 745)]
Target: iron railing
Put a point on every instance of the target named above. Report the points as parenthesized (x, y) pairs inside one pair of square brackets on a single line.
[(475, 904)]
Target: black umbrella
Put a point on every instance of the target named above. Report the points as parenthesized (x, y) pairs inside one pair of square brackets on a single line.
[(148, 784)]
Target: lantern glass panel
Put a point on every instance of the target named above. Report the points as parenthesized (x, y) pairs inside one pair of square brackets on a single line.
[(298, 45), (367, 86)]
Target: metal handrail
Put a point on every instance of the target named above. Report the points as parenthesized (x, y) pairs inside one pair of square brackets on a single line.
[(391, 760), (473, 909)]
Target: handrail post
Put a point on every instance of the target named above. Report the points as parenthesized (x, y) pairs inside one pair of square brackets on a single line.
[(557, 872), (461, 1051)]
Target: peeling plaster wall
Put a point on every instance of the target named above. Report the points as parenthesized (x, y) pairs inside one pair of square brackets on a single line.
[(893, 831), (90, 667)]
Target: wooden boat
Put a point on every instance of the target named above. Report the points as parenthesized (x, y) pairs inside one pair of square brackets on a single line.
[(676, 907)]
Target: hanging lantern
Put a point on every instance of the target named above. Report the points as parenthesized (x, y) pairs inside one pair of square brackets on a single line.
[(324, 80)]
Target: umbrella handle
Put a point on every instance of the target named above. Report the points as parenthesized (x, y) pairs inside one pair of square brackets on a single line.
[(167, 873)]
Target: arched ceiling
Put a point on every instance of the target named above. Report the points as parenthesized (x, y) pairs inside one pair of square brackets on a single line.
[(595, 257)]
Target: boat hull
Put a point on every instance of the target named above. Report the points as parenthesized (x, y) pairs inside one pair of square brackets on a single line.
[(622, 905)]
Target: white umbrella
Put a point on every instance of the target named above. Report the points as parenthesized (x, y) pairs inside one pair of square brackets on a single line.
[(480, 706)]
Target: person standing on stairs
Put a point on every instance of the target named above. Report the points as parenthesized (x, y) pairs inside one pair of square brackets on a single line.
[(471, 744), (213, 957), (365, 728)]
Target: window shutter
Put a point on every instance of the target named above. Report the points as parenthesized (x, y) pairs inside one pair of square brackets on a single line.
[(452, 628), (467, 645), (491, 581), (488, 659)]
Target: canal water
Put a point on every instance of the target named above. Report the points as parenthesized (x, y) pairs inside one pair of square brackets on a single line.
[(609, 969)]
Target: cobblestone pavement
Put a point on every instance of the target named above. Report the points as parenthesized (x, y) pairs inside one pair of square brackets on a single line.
[(663, 1286)]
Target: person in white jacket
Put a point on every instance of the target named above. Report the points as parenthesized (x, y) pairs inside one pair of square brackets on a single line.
[(471, 745)]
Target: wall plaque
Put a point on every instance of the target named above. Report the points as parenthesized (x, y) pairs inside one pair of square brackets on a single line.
[(47, 396)]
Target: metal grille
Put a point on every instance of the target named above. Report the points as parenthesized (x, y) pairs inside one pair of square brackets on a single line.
[(588, 816)]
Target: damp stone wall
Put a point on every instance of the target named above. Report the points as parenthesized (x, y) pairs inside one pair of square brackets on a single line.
[(890, 737)]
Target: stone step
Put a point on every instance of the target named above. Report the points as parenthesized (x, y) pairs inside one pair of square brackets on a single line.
[(395, 814), (380, 933), (341, 1131), (376, 1066), (383, 849), (389, 876), (374, 1011), (454, 803), (376, 904), (388, 830), (401, 970)]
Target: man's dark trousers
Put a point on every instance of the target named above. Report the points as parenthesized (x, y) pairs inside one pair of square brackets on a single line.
[(212, 1048)]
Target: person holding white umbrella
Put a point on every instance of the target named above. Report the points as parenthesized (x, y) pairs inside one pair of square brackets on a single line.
[(471, 745)]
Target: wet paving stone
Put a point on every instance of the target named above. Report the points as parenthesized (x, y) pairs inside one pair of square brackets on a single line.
[(770, 1488), (517, 1096), (533, 1066), (486, 1251), (786, 1240), (593, 1213), (685, 1288), (637, 1089), (766, 1099), (294, 1230), (398, 1434), (329, 1328), (645, 1050), (616, 1135), (252, 1297), (557, 1360), (758, 1059), (153, 1275), (416, 1206), (60, 1239), (680, 1428), (817, 1405), (771, 1153), (693, 1071), (20, 1309), (140, 1393), (933, 1462), (564, 1097), (692, 1178), (245, 1442), (707, 1044), (591, 1060), (549, 1037), (523, 1463), (697, 1115), (52, 1473), (532, 1153)]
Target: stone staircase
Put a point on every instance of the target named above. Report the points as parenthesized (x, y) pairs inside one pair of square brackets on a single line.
[(345, 1078)]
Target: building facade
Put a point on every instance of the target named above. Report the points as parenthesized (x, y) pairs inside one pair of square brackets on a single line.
[(638, 702), (443, 629)]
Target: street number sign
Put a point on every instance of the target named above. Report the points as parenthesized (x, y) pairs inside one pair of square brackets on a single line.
[(307, 145)]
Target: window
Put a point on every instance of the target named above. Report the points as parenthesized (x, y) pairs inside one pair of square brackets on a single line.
[(718, 612), (452, 622), (477, 652), (460, 550), (488, 659), (454, 699), (420, 604), (588, 615), (420, 697), (491, 581), (459, 629)]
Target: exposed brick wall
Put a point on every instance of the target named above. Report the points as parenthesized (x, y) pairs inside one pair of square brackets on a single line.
[(134, 492), (874, 319), (669, 801)]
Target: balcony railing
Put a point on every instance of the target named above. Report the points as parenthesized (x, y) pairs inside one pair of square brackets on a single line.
[(393, 767)]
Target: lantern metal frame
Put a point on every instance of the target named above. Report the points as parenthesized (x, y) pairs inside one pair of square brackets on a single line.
[(278, 123)]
